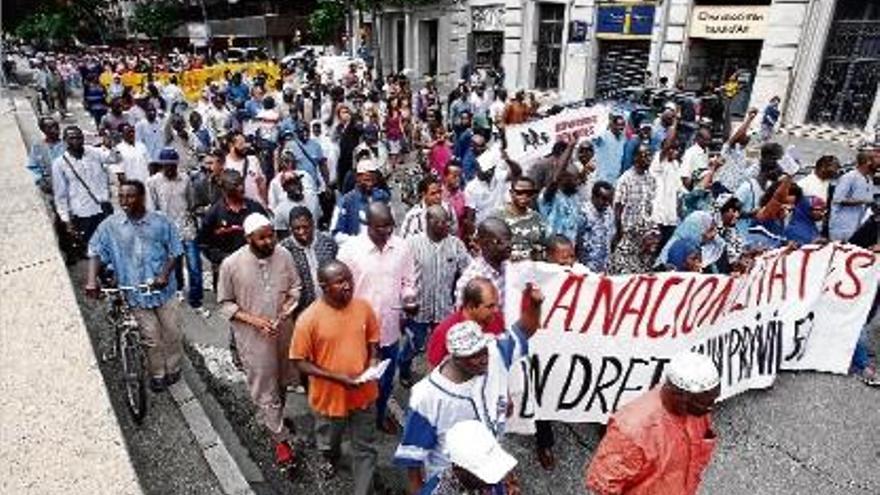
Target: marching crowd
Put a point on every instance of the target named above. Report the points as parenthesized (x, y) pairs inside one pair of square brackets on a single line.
[(286, 191)]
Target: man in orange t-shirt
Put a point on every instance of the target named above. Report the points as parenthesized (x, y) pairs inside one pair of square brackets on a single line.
[(335, 340)]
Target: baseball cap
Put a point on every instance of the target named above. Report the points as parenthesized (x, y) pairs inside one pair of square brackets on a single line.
[(466, 339), (254, 222), (168, 156), (471, 446), (693, 372)]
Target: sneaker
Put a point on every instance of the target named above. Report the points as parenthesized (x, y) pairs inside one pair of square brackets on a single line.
[(203, 312), (157, 384), (284, 456), (180, 296)]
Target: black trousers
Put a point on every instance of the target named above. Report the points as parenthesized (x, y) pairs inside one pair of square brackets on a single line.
[(544, 438), (85, 227)]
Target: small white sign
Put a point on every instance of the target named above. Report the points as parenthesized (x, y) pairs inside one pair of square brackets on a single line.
[(741, 22)]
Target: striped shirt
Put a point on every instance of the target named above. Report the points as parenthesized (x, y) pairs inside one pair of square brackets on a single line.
[(415, 222), (439, 264)]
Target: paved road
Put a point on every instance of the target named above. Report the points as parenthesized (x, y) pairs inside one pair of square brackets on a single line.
[(810, 433)]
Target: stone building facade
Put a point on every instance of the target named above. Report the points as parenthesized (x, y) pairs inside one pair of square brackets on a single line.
[(821, 57)]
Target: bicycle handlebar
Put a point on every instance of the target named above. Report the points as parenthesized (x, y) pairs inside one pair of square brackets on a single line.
[(144, 289)]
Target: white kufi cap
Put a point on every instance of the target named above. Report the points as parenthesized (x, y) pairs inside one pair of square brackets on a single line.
[(693, 372), (254, 222)]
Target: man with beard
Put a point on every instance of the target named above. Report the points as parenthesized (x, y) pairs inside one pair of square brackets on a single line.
[(142, 247), (258, 292), (336, 340), (238, 159)]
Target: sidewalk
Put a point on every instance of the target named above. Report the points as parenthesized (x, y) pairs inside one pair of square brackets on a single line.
[(59, 433)]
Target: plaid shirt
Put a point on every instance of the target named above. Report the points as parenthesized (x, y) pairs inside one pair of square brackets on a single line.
[(635, 192), (308, 260)]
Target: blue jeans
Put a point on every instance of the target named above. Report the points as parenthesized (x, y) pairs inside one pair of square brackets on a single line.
[(194, 272), (386, 383), (861, 356), (413, 345)]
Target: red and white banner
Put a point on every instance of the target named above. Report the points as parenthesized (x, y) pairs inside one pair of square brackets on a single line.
[(605, 340)]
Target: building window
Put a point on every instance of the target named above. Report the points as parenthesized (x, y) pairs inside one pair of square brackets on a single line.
[(551, 21), (486, 49), (847, 83)]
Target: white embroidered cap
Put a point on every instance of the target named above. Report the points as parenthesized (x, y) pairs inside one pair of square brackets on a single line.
[(254, 222), (693, 372)]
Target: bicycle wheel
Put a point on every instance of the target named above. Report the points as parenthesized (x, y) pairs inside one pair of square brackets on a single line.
[(133, 375)]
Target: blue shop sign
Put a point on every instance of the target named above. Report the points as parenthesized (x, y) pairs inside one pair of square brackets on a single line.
[(634, 20)]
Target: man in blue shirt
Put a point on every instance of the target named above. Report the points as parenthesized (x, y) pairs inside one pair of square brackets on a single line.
[(237, 90), (353, 205), (309, 155), (852, 197), (609, 150), (143, 247)]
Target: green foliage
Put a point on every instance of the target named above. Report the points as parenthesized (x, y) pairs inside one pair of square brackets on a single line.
[(60, 21), (46, 28), (327, 20), (156, 19)]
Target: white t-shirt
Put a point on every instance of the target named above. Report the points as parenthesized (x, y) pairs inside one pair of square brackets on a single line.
[(135, 161), (484, 198), (694, 159), (668, 176), (812, 185)]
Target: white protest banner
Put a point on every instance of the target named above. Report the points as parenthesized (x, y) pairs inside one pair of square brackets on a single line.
[(532, 140), (729, 22), (604, 341)]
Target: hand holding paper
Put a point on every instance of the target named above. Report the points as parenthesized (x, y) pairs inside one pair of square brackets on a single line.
[(373, 372)]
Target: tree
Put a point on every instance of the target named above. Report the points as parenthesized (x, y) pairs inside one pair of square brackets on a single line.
[(156, 19), (57, 22), (326, 20), (46, 28)]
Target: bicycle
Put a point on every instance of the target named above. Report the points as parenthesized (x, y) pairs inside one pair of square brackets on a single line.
[(127, 345)]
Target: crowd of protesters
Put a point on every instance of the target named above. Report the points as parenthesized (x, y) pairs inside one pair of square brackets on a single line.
[(286, 192)]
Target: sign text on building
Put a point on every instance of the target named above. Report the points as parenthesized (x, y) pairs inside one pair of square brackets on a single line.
[(744, 22)]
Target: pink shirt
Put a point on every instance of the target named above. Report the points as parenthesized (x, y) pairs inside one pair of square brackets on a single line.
[(382, 278)]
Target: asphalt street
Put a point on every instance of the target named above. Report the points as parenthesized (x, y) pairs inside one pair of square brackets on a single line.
[(811, 433)]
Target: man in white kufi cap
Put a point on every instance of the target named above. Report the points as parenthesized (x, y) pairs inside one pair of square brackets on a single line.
[(258, 290), (662, 441)]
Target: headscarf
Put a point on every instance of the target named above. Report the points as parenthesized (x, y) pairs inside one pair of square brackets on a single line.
[(692, 228), (629, 256), (802, 228), (679, 252)]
